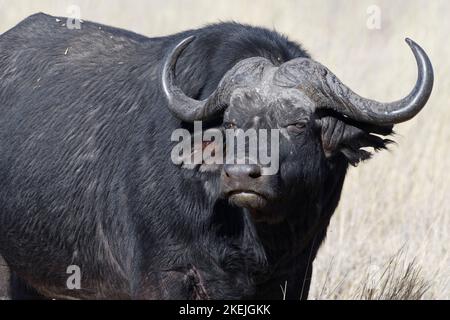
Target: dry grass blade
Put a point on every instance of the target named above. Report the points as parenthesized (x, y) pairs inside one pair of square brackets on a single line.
[(395, 283)]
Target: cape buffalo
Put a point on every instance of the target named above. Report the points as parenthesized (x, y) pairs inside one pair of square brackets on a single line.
[(87, 182)]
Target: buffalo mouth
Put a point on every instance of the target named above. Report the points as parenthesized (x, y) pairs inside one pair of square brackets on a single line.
[(248, 199)]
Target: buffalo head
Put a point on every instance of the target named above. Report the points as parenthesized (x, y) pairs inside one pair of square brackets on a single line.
[(320, 120)]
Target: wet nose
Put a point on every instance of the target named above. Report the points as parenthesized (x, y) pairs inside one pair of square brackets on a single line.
[(243, 171)]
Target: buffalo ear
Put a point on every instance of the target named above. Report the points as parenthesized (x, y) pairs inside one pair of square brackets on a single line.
[(343, 136)]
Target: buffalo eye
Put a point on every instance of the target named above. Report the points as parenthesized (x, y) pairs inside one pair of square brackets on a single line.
[(296, 128), (229, 125)]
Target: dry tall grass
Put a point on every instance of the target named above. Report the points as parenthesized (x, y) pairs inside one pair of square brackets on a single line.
[(398, 279), (400, 199)]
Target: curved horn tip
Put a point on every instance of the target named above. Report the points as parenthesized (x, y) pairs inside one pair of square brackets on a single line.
[(421, 56), (409, 41), (413, 45), (170, 63), (370, 111), (182, 106), (416, 48), (185, 42), (178, 49)]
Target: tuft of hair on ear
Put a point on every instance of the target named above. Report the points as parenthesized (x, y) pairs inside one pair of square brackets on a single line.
[(344, 136), (353, 151)]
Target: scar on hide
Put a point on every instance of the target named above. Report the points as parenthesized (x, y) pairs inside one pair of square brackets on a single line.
[(196, 287)]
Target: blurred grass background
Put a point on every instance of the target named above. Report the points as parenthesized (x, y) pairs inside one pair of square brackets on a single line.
[(398, 201)]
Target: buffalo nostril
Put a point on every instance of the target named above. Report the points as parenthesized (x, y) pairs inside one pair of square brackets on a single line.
[(243, 171), (255, 172)]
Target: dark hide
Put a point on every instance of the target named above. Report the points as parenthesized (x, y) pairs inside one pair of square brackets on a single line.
[(86, 177)]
